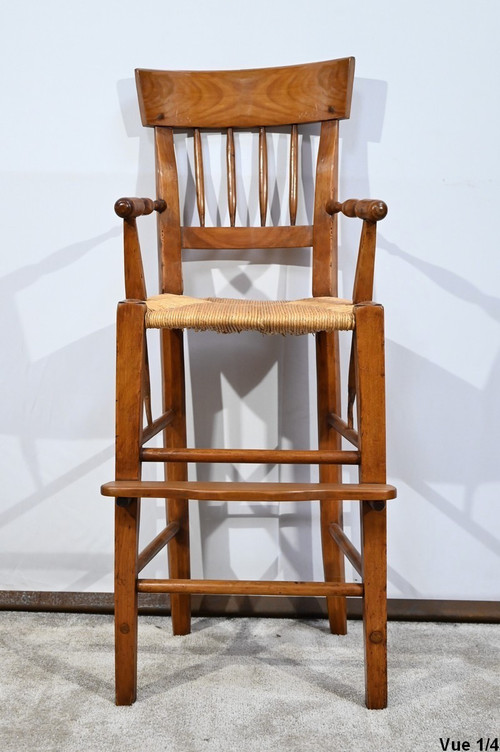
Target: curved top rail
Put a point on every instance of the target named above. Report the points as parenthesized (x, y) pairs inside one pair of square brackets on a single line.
[(246, 98)]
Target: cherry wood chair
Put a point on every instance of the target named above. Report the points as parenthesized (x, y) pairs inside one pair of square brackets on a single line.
[(225, 101)]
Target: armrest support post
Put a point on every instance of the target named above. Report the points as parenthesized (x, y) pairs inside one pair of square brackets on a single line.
[(135, 283), (365, 265), (128, 209)]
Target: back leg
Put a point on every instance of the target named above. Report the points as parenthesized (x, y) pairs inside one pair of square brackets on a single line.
[(328, 380), (177, 509)]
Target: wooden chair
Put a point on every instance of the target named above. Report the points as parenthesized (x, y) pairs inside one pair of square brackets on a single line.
[(250, 99)]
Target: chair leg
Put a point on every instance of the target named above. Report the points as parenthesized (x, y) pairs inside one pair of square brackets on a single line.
[(177, 509), (373, 548), (129, 408), (179, 565), (126, 622), (333, 560), (370, 390), (328, 380)]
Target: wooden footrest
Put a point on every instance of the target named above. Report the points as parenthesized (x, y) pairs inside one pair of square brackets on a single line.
[(211, 491), (250, 587)]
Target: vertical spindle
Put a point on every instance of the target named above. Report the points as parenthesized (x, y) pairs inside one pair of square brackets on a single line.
[(200, 181), (262, 175), (231, 176), (294, 144)]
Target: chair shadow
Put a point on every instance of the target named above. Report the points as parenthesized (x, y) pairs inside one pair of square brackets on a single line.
[(424, 399), (219, 365), (42, 656), (440, 396), (244, 645), (51, 410), (241, 364)]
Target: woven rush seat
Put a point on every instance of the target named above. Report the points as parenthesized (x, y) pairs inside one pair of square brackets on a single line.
[(225, 315)]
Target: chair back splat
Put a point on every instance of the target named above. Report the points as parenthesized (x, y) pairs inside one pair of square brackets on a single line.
[(249, 99), (230, 101)]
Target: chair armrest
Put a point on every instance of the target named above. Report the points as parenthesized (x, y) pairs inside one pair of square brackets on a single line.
[(128, 208), (371, 210)]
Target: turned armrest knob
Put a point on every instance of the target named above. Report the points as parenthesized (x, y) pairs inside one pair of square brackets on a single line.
[(370, 209), (128, 208)]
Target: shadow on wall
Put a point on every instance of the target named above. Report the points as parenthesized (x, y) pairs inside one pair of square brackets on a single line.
[(426, 445), (426, 448), (44, 411), (240, 364), (423, 398), (448, 420)]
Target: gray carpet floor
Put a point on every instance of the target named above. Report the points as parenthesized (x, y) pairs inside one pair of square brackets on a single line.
[(244, 684)]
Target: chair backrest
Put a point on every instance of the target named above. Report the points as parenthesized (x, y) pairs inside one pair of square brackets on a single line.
[(248, 99)]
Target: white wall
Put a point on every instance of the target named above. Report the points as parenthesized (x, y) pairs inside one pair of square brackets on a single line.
[(423, 136)]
